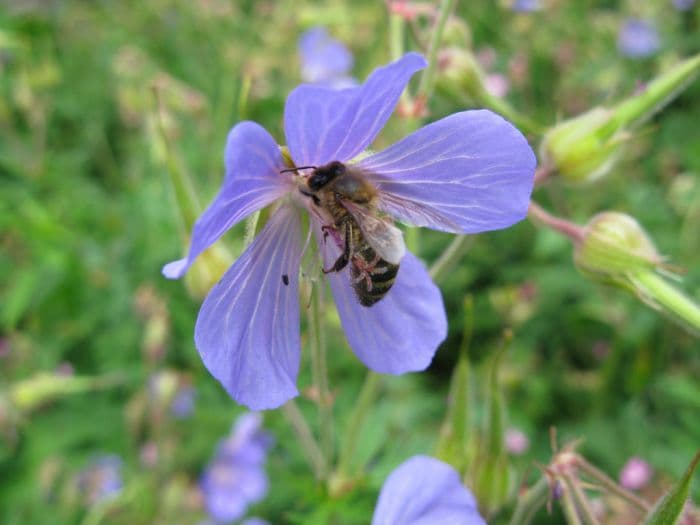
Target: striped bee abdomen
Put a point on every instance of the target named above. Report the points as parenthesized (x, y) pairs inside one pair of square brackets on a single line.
[(371, 277)]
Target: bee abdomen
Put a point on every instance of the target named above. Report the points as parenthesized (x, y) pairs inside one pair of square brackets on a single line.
[(372, 284)]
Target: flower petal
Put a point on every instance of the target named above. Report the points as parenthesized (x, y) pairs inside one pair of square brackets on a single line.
[(425, 491), (400, 333), (323, 124), (253, 162), (467, 173), (247, 331)]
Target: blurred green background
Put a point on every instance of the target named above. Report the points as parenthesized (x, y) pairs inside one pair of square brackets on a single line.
[(87, 219)]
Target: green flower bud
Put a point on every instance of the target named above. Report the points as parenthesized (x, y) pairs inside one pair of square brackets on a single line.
[(41, 388), (462, 79), (457, 33), (207, 270), (460, 74), (586, 147), (583, 149), (614, 244), (615, 250)]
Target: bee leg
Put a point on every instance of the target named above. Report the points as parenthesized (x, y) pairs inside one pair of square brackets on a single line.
[(342, 261), (364, 276)]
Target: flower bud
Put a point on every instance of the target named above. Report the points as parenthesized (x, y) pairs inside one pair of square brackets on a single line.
[(583, 149), (615, 250), (207, 270), (615, 244), (42, 388), (457, 33), (586, 147), (460, 73)]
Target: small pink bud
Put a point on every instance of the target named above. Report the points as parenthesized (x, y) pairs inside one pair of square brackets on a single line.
[(635, 474), (516, 441)]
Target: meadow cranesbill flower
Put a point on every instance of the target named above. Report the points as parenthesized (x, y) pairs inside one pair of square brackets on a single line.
[(425, 491), (683, 5), (236, 478), (325, 60), (637, 38), (526, 6), (467, 173), (101, 479), (182, 405)]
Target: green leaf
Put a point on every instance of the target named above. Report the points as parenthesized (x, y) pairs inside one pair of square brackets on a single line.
[(669, 508)]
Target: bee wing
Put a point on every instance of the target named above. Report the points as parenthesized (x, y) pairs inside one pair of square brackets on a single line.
[(384, 238)]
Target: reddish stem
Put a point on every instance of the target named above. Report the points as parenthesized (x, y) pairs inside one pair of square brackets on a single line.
[(572, 230)]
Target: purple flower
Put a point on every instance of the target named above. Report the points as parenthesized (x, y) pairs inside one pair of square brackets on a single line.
[(683, 5), (526, 6), (182, 405), (236, 477), (637, 38), (425, 491), (467, 173), (516, 441), (325, 60), (102, 479), (635, 474)]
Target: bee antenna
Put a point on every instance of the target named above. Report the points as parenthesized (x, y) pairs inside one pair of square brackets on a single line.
[(299, 168)]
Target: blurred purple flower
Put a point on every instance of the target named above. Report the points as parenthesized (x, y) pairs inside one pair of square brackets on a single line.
[(183, 403), (637, 38), (425, 491), (101, 479), (236, 478), (635, 474), (683, 5), (516, 441), (467, 173), (526, 6), (324, 60), (255, 521)]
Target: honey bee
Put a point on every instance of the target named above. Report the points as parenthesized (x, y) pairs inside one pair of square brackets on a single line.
[(372, 246)]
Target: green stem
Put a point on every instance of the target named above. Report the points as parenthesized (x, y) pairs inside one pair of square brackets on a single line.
[(638, 109), (569, 507), (357, 419), (185, 194), (308, 444), (532, 501), (609, 485), (452, 254), (319, 369), (581, 500), (502, 106), (396, 36), (425, 88), (670, 298)]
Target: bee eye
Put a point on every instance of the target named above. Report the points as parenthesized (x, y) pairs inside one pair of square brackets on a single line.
[(317, 181)]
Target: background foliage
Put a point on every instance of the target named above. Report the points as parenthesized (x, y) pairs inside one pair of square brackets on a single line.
[(87, 219)]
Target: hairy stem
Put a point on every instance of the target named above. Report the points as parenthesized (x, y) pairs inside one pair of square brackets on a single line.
[(357, 420), (581, 500), (530, 502), (452, 254), (572, 230), (669, 297), (427, 80), (319, 368), (308, 444), (607, 483)]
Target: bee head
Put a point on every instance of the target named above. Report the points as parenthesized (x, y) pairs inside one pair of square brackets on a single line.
[(325, 174)]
